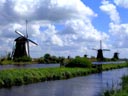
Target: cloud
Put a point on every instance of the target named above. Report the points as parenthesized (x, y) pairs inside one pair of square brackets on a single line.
[(122, 3), (56, 40), (43, 17), (111, 10), (120, 32)]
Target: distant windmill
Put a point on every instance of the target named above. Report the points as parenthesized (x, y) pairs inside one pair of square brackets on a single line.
[(100, 52), (116, 56), (21, 47)]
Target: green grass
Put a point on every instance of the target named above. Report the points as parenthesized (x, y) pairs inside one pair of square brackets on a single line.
[(113, 66), (121, 92), (12, 77), (11, 62)]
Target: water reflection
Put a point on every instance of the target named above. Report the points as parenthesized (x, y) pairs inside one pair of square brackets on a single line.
[(91, 85), (2, 67)]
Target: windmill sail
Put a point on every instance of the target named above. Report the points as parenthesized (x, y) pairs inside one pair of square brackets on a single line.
[(18, 32), (32, 42)]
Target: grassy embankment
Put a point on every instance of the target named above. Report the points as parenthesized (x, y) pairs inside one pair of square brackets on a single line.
[(9, 62), (122, 92), (13, 77), (113, 66)]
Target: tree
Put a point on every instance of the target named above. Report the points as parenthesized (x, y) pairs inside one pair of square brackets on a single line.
[(79, 62)]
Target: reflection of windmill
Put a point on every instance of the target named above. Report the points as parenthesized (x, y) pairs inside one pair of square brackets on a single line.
[(100, 52), (21, 47)]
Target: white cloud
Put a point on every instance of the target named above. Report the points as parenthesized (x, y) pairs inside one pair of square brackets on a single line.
[(122, 3), (120, 32), (56, 40), (111, 10), (43, 16), (83, 30)]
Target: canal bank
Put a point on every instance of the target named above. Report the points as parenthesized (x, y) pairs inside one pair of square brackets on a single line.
[(122, 91), (90, 85), (16, 77)]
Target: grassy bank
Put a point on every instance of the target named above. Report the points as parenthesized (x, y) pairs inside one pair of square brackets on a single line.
[(122, 92), (13, 77), (113, 66), (11, 62)]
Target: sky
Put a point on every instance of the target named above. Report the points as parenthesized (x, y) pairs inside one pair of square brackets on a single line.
[(66, 27)]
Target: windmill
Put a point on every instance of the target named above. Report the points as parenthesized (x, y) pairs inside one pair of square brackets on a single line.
[(100, 52), (116, 55), (21, 47)]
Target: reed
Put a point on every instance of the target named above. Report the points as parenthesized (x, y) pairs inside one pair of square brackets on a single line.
[(13, 77), (121, 92)]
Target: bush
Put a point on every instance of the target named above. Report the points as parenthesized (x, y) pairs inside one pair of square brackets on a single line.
[(41, 60), (23, 59), (79, 62)]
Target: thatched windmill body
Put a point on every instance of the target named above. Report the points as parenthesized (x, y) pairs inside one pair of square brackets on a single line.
[(100, 52), (21, 47)]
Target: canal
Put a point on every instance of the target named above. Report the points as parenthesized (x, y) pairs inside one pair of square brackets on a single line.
[(19, 66), (91, 85)]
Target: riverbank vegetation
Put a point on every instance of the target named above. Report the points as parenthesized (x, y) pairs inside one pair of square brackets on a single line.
[(13, 77), (113, 66), (79, 62), (46, 59), (72, 67), (121, 92)]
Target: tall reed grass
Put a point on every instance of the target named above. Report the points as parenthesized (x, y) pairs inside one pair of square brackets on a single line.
[(12, 77)]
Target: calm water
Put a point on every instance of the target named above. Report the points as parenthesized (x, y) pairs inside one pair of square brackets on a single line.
[(2, 67), (91, 85), (111, 62)]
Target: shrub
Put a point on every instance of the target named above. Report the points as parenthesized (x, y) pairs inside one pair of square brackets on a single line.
[(41, 60), (23, 59), (79, 62)]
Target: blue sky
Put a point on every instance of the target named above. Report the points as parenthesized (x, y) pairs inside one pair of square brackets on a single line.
[(101, 19), (66, 27)]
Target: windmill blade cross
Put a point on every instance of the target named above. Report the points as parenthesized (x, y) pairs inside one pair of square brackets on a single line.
[(18, 32), (33, 42)]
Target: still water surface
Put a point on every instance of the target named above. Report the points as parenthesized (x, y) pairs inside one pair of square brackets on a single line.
[(91, 85), (2, 67)]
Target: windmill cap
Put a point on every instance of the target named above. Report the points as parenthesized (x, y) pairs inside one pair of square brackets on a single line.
[(21, 39)]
